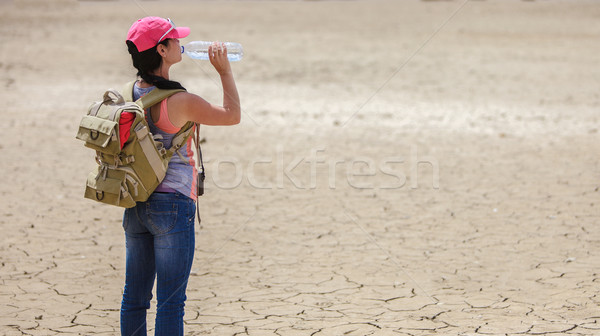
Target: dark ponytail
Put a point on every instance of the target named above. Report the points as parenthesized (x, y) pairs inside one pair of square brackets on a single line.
[(148, 61)]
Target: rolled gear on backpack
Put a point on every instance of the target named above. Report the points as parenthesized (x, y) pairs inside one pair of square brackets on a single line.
[(127, 172)]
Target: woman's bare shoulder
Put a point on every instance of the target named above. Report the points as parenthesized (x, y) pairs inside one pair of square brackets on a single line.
[(184, 99)]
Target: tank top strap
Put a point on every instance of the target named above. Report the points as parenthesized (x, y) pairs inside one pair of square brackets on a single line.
[(163, 122)]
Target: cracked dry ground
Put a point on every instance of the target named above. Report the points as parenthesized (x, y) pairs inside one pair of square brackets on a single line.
[(505, 99), (464, 259)]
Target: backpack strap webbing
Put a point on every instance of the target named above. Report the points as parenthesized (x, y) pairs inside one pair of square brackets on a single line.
[(181, 137)]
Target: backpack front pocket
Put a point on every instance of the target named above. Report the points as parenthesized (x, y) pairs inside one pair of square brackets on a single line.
[(109, 187), (99, 134)]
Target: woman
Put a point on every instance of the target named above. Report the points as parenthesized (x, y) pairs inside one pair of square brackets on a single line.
[(160, 232)]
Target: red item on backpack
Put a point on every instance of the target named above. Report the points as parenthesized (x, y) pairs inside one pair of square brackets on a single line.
[(125, 122)]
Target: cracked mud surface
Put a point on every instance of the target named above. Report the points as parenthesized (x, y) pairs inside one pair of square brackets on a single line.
[(504, 99)]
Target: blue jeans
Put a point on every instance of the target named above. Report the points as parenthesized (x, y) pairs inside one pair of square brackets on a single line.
[(160, 241)]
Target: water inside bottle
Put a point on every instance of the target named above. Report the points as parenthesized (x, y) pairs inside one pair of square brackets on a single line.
[(203, 55), (198, 54), (234, 57)]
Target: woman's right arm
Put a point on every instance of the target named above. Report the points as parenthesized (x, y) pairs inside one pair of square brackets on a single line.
[(194, 108)]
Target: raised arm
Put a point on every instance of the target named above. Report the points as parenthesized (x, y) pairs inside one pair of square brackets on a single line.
[(191, 107)]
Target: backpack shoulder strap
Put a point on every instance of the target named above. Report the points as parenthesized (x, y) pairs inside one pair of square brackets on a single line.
[(155, 96), (181, 137), (128, 91)]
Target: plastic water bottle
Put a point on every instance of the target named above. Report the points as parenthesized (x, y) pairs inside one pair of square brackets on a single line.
[(199, 50)]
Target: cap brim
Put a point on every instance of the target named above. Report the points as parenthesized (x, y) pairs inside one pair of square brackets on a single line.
[(182, 32)]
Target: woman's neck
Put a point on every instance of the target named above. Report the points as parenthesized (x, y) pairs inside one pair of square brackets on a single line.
[(162, 71)]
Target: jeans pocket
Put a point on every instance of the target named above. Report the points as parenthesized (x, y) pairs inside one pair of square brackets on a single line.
[(162, 216), (125, 223), (129, 217)]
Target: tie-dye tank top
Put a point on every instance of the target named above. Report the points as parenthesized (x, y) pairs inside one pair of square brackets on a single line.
[(181, 174)]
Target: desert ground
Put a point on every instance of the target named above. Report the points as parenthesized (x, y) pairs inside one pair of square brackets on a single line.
[(401, 168)]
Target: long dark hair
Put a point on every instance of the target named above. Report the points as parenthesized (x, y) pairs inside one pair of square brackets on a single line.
[(147, 61)]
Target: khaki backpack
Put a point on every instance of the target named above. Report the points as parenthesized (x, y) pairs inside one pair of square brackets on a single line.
[(129, 174)]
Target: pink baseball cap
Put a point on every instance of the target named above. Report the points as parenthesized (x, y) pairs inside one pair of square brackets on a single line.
[(147, 32)]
